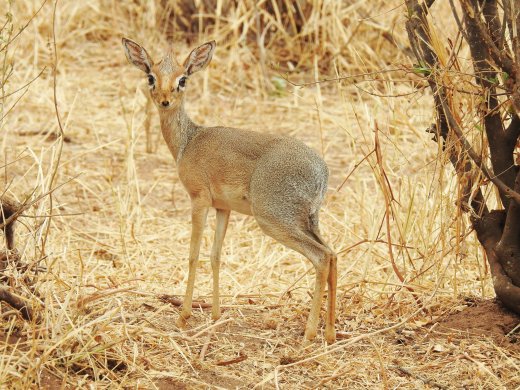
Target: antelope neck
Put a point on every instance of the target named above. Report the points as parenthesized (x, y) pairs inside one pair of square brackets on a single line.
[(177, 129)]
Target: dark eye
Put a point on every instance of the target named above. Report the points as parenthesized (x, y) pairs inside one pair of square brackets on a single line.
[(151, 80), (182, 82)]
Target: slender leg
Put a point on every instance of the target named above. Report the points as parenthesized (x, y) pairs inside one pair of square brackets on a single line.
[(311, 245), (220, 232), (330, 331), (322, 271), (198, 221)]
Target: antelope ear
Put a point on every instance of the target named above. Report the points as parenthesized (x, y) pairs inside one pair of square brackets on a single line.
[(199, 57), (137, 55)]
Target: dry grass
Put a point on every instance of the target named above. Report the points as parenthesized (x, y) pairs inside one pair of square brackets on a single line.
[(119, 235)]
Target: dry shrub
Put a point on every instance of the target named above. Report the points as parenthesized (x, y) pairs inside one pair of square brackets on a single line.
[(287, 33)]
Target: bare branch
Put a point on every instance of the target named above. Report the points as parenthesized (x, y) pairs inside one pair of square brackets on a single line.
[(501, 151), (508, 191), (494, 26), (498, 56), (513, 130), (417, 26), (26, 204), (508, 21), (457, 20), (16, 302)]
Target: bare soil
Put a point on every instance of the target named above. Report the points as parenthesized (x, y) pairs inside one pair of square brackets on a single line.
[(485, 318)]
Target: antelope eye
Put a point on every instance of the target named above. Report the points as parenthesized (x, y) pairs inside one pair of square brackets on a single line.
[(182, 82), (151, 80)]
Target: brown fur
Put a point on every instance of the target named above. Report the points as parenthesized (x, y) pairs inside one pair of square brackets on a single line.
[(277, 179)]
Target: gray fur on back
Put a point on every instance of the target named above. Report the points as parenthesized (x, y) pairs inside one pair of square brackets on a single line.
[(289, 182)]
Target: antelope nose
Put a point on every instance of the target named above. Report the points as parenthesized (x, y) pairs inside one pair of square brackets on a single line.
[(165, 103)]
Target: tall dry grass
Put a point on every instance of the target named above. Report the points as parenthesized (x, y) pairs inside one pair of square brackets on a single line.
[(119, 232)]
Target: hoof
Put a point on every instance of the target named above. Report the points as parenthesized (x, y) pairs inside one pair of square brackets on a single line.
[(308, 338), (215, 316), (181, 322), (330, 336), (306, 343)]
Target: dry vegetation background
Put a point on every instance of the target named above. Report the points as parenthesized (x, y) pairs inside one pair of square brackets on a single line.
[(119, 233)]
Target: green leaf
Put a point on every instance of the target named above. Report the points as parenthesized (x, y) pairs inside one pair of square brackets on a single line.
[(422, 70)]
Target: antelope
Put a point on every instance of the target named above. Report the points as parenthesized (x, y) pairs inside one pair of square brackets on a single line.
[(278, 180)]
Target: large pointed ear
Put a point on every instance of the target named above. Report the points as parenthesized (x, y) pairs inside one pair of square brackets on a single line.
[(199, 57), (137, 55)]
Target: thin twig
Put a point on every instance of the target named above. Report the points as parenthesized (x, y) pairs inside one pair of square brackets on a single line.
[(205, 347), (26, 204), (22, 29), (508, 191), (178, 302), (211, 327), (286, 78), (60, 128), (27, 84), (238, 359)]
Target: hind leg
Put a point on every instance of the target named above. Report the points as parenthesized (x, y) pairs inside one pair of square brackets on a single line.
[(330, 329), (302, 240), (314, 314), (325, 271)]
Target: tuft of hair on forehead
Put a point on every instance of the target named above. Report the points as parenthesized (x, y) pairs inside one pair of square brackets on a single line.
[(169, 63)]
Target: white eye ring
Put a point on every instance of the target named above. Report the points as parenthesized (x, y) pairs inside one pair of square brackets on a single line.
[(151, 81), (181, 82)]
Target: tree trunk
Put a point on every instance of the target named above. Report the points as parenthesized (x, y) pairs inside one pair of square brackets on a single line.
[(498, 231)]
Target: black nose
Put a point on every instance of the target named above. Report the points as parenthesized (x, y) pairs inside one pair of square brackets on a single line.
[(165, 103)]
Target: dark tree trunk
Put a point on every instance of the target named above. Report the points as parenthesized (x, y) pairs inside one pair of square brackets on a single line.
[(484, 30), (9, 211)]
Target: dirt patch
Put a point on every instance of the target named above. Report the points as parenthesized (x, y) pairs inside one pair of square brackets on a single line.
[(487, 318), (169, 384), (11, 339), (222, 381), (49, 381)]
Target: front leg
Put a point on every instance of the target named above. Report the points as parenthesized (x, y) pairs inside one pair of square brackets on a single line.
[(199, 212), (220, 232)]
